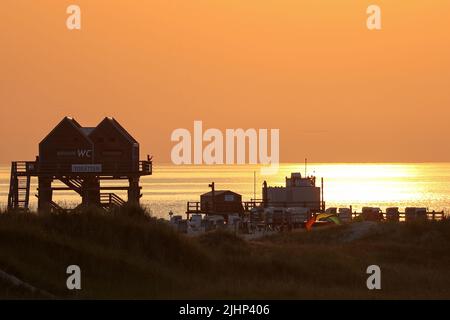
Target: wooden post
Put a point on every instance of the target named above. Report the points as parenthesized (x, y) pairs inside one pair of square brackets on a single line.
[(90, 192), (45, 193), (213, 196), (134, 192)]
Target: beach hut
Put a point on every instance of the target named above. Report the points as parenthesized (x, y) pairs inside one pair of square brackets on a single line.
[(221, 201), (66, 144), (80, 158), (114, 145)]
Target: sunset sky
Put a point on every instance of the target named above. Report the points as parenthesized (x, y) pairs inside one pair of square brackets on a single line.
[(337, 91)]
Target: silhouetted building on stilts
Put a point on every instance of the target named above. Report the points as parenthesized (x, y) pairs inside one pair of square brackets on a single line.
[(80, 158)]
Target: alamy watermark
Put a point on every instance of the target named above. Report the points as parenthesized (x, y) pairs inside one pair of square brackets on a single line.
[(212, 146), (73, 281), (73, 21), (373, 22), (374, 280)]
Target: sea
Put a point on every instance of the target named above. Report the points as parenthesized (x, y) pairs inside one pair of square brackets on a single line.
[(345, 184)]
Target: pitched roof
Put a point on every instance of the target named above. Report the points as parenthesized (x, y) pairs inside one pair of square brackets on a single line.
[(118, 127), (218, 192), (87, 131), (68, 120)]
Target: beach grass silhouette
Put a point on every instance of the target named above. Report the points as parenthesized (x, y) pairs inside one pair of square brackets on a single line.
[(130, 254)]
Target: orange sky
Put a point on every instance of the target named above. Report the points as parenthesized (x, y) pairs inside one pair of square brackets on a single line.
[(336, 91)]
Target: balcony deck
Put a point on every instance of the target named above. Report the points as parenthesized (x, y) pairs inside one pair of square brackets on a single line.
[(104, 169)]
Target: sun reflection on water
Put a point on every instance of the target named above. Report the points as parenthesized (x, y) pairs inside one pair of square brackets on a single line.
[(382, 185)]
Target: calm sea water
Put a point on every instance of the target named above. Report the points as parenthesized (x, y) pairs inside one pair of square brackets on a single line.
[(381, 185)]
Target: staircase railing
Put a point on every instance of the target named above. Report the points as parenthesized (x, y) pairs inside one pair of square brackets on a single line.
[(111, 199), (53, 206), (19, 185)]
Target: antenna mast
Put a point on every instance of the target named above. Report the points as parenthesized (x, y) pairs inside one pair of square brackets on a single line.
[(254, 185), (306, 166)]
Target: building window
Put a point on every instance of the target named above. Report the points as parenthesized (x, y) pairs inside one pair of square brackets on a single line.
[(229, 197)]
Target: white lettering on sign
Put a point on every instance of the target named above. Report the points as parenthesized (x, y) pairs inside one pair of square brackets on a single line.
[(66, 153), (86, 168), (83, 153)]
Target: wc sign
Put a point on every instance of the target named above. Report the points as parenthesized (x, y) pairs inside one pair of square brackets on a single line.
[(84, 153)]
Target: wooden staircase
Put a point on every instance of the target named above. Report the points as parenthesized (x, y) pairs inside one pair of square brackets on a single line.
[(19, 190), (54, 207), (19, 187), (74, 184), (108, 201), (111, 200)]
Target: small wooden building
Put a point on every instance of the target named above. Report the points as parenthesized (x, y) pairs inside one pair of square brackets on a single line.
[(113, 144), (81, 157), (67, 143), (107, 144), (221, 202)]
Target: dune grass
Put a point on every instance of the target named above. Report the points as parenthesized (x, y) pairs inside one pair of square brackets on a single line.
[(128, 254)]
